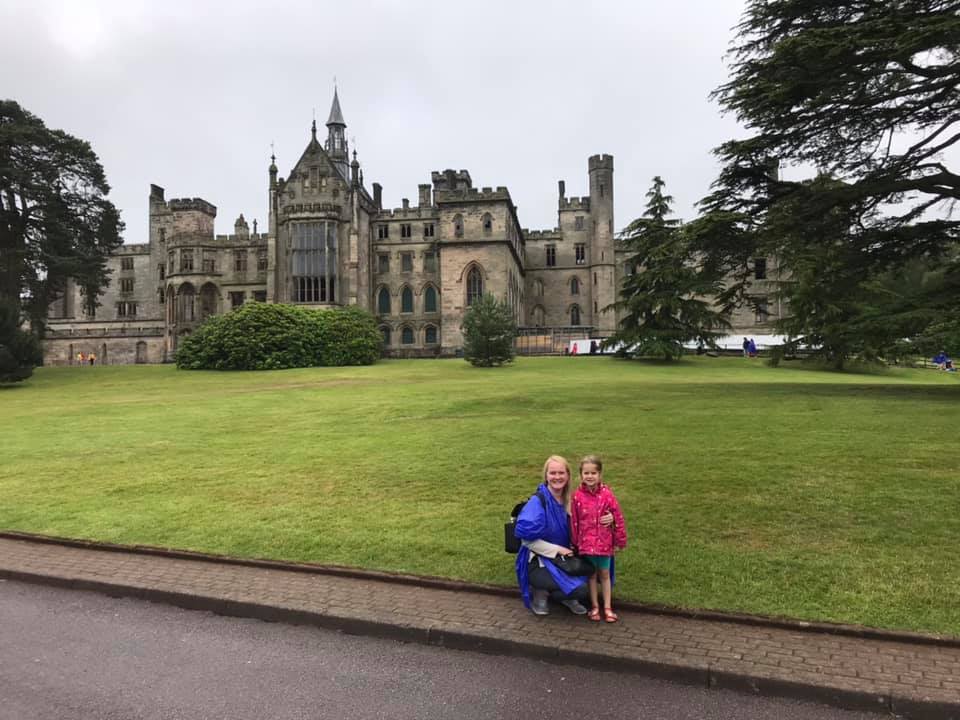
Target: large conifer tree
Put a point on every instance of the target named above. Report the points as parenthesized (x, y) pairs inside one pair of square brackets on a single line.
[(867, 93), (667, 300)]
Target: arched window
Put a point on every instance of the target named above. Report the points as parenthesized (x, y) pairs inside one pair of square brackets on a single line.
[(575, 315), (209, 300), (406, 336), (185, 303), (474, 286), (383, 301), (538, 316), (538, 288), (385, 333), (406, 300), (430, 335), (458, 225), (430, 299), (487, 223), (574, 286)]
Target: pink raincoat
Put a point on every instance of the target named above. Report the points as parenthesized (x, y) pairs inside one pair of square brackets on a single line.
[(588, 536)]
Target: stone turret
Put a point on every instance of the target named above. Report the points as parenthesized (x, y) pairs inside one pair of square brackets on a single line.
[(336, 146)]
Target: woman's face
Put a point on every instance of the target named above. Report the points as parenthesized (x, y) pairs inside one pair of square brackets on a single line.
[(557, 477)]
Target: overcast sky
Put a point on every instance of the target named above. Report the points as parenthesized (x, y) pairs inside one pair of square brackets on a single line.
[(190, 95)]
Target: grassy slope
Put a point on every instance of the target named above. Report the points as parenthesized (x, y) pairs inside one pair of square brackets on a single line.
[(780, 491)]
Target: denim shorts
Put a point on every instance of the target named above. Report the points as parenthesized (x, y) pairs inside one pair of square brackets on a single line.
[(600, 562)]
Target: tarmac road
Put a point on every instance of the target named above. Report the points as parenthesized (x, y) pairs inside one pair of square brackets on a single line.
[(69, 655)]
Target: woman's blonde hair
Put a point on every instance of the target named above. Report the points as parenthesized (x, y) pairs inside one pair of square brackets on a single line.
[(566, 488)]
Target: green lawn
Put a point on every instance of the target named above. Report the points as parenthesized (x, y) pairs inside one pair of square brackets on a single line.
[(782, 491)]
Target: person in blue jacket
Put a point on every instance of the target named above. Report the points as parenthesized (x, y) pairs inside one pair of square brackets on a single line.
[(543, 528), (943, 361)]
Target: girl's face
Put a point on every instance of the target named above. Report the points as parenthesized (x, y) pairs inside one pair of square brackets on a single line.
[(590, 475), (557, 477)]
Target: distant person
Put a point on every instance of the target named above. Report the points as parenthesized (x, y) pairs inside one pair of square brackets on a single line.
[(80, 358), (940, 360), (573, 351), (746, 348), (752, 348), (593, 541), (593, 347), (92, 358), (543, 527)]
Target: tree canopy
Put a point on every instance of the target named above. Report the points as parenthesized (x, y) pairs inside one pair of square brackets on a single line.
[(865, 92), (55, 219), (668, 300)]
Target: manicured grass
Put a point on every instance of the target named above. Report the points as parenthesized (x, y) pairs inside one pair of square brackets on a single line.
[(781, 491)]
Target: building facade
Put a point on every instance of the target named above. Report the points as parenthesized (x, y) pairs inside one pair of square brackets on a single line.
[(330, 243)]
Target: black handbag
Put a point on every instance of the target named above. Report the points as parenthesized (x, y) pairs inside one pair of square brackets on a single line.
[(574, 565)]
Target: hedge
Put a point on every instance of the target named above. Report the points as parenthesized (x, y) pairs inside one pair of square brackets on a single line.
[(261, 336)]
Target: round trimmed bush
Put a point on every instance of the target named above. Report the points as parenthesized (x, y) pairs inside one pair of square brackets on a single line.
[(261, 336)]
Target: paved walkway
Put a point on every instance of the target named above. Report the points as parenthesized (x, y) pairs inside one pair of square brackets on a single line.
[(914, 679)]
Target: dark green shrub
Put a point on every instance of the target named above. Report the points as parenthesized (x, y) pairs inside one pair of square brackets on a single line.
[(19, 349), (260, 336), (349, 337), (488, 332)]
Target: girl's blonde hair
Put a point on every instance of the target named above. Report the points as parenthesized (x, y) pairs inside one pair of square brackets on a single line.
[(591, 460), (566, 488)]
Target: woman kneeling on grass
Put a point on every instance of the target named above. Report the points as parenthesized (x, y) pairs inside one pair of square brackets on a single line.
[(543, 526)]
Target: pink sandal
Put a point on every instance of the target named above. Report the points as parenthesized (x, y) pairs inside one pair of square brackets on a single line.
[(609, 615), (594, 614)]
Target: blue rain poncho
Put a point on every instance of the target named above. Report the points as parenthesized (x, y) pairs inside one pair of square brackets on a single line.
[(543, 521)]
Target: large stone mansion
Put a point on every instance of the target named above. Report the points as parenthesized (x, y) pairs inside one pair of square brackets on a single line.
[(330, 242)]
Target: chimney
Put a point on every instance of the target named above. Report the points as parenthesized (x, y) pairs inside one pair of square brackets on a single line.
[(378, 196)]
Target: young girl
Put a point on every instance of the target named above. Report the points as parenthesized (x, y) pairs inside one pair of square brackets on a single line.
[(593, 541)]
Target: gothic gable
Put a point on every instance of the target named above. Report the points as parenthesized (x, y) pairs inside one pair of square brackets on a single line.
[(313, 177)]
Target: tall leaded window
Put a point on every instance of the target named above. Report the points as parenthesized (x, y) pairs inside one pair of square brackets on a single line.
[(406, 336), (575, 315), (474, 286), (313, 262), (430, 335), (430, 299), (574, 286), (538, 316), (406, 300), (383, 302)]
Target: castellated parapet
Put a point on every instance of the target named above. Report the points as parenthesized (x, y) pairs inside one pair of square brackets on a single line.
[(575, 203), (192, 204), (600, 162), (471, 195), (451, 180), (534, 235)]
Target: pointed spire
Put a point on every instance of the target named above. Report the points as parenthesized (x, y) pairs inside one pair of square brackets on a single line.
[(313, 130), (336, 116)]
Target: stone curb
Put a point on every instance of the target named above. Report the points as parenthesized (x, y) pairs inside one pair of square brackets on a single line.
[(697, 674), (846, 630)]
